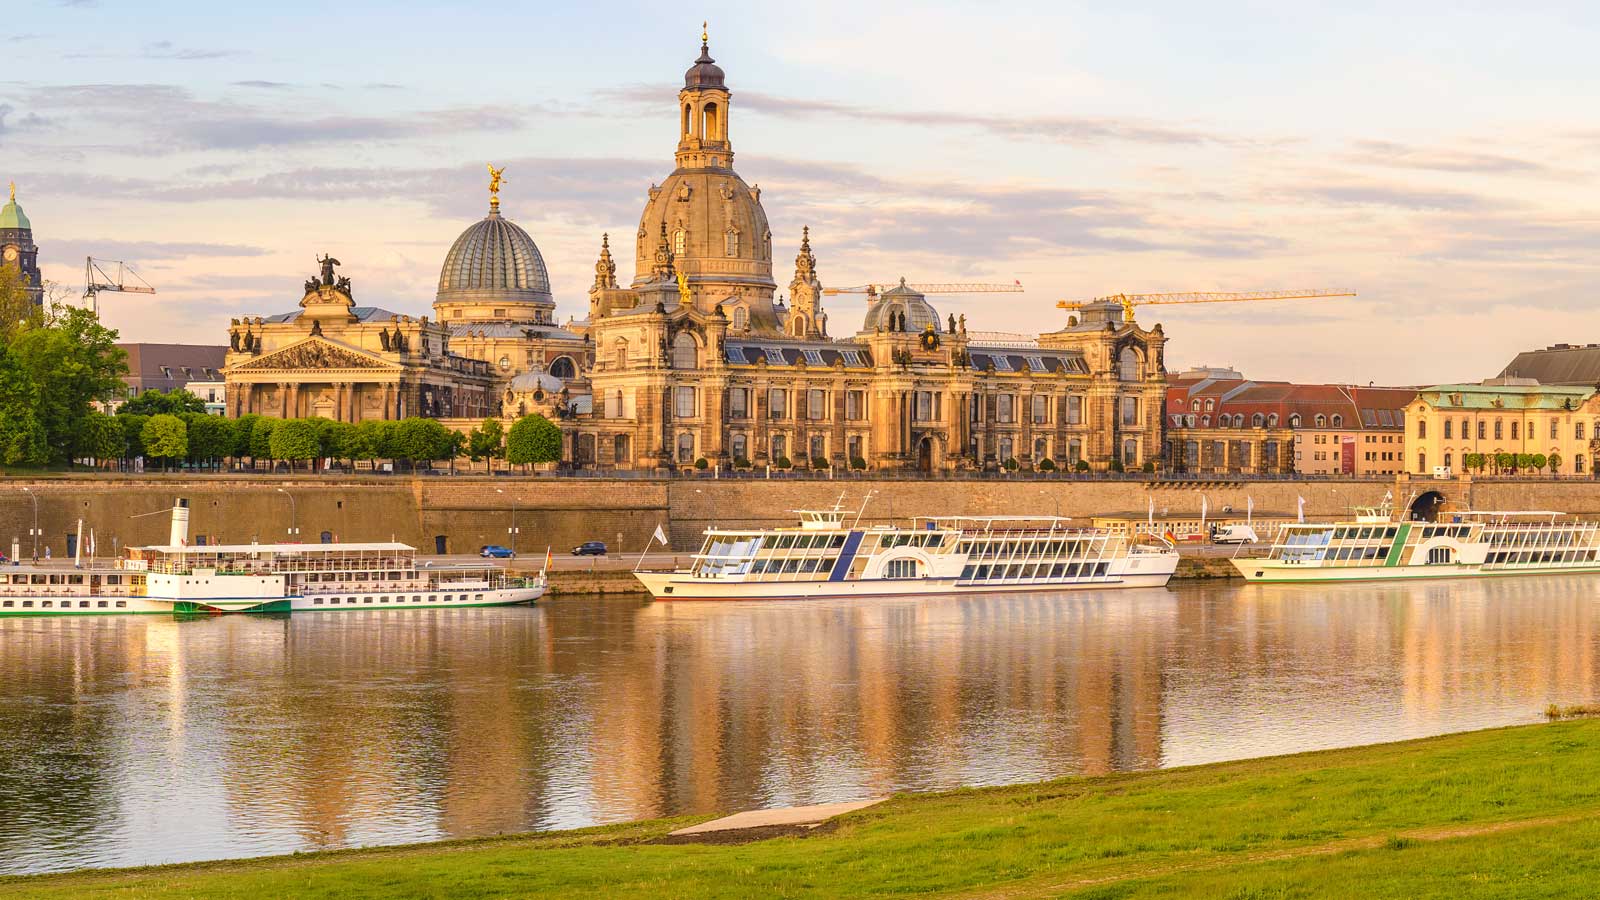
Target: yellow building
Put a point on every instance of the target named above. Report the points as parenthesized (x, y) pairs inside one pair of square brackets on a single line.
[(1506, 415)]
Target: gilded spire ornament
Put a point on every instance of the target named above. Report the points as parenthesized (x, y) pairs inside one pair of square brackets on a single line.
[(496, 176), (13, 192), (605, 269)]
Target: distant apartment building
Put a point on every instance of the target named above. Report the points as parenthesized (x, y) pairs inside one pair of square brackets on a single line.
[(1222, 423), (170, 367)]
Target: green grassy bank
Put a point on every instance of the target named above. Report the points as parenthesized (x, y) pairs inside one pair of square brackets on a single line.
[(1512, 812)]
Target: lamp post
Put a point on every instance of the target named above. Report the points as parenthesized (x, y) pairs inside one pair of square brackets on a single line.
[(1055, 502), (34, 531), (292, 529), (511, 529)]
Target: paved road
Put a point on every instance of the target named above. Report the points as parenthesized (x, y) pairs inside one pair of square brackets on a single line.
[(565, 562)]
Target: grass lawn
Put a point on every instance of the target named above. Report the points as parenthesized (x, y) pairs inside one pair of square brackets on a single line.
[(1511, 812)]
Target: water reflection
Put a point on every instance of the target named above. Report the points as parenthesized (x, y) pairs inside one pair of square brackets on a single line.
[(127, 740)]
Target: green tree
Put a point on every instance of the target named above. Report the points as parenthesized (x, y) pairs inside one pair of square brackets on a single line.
[(420, 440), (1504, 462), (294, 440), (371, 441), (1539, 461), (261, 438), (151, 403), (165, 437), (74, 361), (533, 439), (103, 440), (338, 438), (1554, 460), (132, 435), (1524, 461), (487, 442), (210, 438), (243, 433), (22, 438), (18, 312)]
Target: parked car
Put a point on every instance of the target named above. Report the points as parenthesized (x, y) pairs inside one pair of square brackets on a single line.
[(495, 551), (1234, 534), (590, 548)]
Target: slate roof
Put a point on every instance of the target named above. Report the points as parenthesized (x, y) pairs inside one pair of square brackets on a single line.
[(1358, 407), (362, 313), (1563, 364), (166, 367)]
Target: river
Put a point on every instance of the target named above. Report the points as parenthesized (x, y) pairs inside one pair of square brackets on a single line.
[(129, 740)]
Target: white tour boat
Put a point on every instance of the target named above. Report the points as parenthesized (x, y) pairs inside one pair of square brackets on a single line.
[(1377, 547), (825, 558), (258, 578)]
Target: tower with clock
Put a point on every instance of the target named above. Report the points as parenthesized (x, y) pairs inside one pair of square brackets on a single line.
[(17, 248)]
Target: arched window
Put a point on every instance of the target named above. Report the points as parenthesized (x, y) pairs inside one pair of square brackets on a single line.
[(1422, 463), (710, 128), (1074, 451), (1005, 449), (1322, 421), (686, 448), (1577, 431), (620, 354), (1294, 420), (730, 242), (779, 444), (1041, 448), (741, 318), (1422, 426), (1577, 463), (1272, 420), (1128, 364), (685, 353), (563, 368), (1338, 420), (797, 325), (1514, 424), (1210, 404), (679, 239), (1447, 459), (1205, 421), (1130, 452), (620, 451), (1195, 404), (1238, 420), (1257, 420), (819, 447), (1189, 420), (686, 119), (740, 446)]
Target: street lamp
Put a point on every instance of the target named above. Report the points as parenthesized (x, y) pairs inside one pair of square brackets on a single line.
[(1055, 502), (34, 531), (512, 530), (292, 529)]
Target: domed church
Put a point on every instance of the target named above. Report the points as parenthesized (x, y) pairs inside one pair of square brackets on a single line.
[(697, 361)]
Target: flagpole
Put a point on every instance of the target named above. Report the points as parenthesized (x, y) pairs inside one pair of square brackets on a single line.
[(646, 550)]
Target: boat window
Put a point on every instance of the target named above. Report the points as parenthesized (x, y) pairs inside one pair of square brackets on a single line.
[(122, 604)]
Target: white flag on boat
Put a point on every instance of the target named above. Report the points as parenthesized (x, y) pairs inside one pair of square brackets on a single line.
[(1150, 517), (660, 535), (1202, 514), (1301, 514), (1249, 509)]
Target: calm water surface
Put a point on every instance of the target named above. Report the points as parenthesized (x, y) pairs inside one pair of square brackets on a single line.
[(133, 740)]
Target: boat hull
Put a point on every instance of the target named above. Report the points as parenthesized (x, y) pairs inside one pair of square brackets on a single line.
[(682, 586), (95, 605), (1261, 571)]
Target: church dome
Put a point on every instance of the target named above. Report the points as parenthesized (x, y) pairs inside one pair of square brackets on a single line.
[(900, 301), (705, 73), (12, 216), (494, 265)]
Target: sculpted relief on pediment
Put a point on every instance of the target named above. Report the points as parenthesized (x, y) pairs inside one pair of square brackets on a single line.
[(313, 354)]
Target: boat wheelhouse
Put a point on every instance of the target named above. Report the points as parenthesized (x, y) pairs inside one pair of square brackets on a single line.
[(1375, 546), (179, 578), (824, 557)]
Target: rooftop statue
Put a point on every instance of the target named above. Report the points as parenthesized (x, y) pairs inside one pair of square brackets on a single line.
[(328, 262)]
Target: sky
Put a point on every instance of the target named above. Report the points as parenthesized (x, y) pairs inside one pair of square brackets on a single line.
[(1437, 159)]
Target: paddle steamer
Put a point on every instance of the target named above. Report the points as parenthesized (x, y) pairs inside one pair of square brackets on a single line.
[(823, 557), (1375, 546), (179, 578)]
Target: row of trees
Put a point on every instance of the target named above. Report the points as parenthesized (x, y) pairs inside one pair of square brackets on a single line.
[(166, 428), (1510, 463)]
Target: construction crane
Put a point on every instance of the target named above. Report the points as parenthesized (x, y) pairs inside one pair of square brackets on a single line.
[(1129, 301), (878, 287), (96, 278)]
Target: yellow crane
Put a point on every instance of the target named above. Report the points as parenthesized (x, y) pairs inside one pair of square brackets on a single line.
[(878, 287), (1129, 301)]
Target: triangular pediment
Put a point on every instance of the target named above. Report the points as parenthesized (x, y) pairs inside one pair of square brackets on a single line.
[(315, 353)]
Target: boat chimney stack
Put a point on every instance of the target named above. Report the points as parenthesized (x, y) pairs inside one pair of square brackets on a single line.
[(179, 537)]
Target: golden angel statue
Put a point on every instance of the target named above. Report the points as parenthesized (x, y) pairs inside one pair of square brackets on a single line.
[(683, 288), (496, 176)]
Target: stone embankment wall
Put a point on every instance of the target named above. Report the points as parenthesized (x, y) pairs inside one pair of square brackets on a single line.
[(469, 511)]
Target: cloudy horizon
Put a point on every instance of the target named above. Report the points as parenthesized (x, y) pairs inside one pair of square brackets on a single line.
[(1434, 160)]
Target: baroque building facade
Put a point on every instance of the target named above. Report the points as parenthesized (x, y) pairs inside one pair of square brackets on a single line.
[(698, 357)]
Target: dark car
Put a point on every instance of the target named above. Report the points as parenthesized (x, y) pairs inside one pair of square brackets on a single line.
[(590, 548), (495, 551)]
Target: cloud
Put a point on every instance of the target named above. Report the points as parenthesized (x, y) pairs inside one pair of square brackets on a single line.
[(1529, 242), (1402, 156), (167, 50), (1059, 129), (264, 85), (19, 38), (1385, 194), (165, 119), (145, 251)]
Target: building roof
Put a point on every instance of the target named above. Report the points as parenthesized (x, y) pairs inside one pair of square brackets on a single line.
[(1029, 360), (918, 312), (1217, 398), (705, 73), (494, 261), (512, 330), (12, 216), (362, 314), (812, 353), (1565, 364), (169, 366), (1505, 396)]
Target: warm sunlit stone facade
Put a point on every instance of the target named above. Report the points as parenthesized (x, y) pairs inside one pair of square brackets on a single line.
[(1505, 415), (698, 360)]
